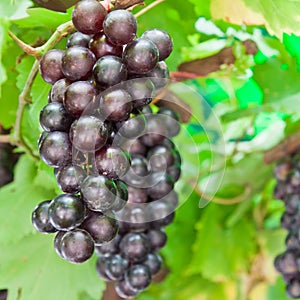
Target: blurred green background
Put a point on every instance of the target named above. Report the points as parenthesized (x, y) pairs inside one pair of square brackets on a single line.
[(227, 231)]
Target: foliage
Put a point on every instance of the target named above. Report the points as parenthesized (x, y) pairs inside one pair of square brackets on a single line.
[(239, 113)]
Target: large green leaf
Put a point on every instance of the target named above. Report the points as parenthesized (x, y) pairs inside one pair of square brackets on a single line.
[(15, 9), (279, 16)]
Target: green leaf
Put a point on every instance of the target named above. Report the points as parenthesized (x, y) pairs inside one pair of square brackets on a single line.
[(32, 269), (216, 245), (15, 9), (260, 12), (18, 199)]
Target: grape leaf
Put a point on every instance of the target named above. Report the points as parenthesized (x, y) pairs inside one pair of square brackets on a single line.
[(14, 9), (32, 270), (216, 245), (18, 199), (278, 16)]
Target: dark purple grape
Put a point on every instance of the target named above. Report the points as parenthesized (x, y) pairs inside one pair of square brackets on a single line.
[(70, 177), (56, 149), (142, 91), (77, 246), (40, 218), (102, 228), (109, 248), (155, 131), (171, 199), (77, 63), (99, 193), (124, 290), (154, 263), (54, 117), (159, 75), (138, 277), (109, 70), (288, 221), (3, 294), (57, 242), (286, 263), (171, 120), (175, 172), (101, 46), (88, 16), (122, 196), (134, 246), (78, 96), (163, 184), (292, 241), (132, 127), (116, 266), (78, 39), (120, 27), (101, 268), (88, 134), (292, 203), (140, 56), (134, 147), (157, 238), (293, 288), (160, 158), (116, 105), (66, 212), (162, 40), (280, 190), (57, 93), (134, 218), (162, 213), (112, 162), (51, 66), (137, 195)]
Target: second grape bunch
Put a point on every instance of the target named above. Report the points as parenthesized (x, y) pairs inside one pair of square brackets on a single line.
[(112, 155)]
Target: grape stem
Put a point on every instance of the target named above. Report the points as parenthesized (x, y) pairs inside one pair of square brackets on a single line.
[(147, 8), (5, 138)]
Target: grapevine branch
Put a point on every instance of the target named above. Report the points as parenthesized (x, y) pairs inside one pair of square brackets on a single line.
[(150, 6), (286, 147)]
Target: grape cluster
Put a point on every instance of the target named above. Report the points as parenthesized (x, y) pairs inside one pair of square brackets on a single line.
[(112, 153), (287, 173)]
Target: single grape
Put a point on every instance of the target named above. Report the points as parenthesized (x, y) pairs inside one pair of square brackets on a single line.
[(163, 187), (78, 39), (121, 197), (54, 117), (140, 56), (115, 105), (88, 134), (134, 246), (292, 241), (162, 213), (171, 120), (109, 248), (57, 93), (70, 177), (172, 200), (160, 75), (116, 266), (133, 147), (137, 195), (57, 242), (56, 149), (124, 290), (99, 193), (286, 263), (101, 268), (154, 263), (109, 70), (162, 40), (77, 246), (112, 162), (157, 238), (88, 16), (293, 288), (77, 63), (138, 277), (101, 46), (51, 66), (132, 127), (78, 96), (142, 91), (120, 27), (40, 218), (66, 212), (160, 158), (102, 228)]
